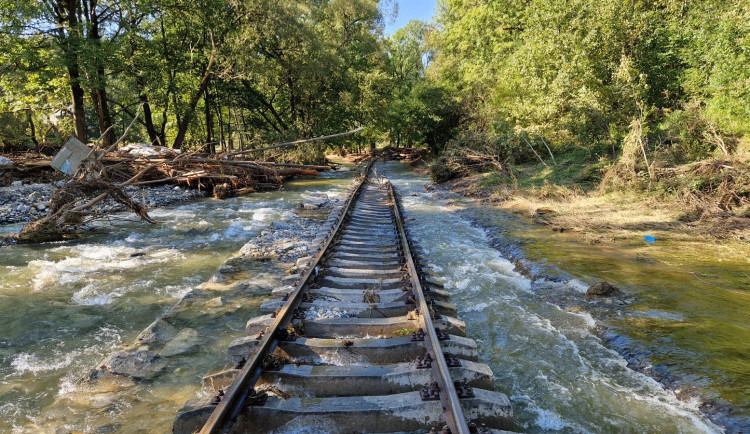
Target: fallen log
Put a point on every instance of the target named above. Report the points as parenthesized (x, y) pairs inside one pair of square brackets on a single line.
[(297, 142)]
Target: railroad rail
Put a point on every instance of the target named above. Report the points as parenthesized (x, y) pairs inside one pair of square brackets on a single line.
[(365, 342)]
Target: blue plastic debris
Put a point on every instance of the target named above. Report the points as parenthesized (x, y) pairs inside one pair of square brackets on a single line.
[(649, 239)]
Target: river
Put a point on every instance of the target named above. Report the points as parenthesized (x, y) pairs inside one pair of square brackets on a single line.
[(64, 306)]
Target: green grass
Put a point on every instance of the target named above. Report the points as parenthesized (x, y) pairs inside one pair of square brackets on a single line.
[(572, 169)]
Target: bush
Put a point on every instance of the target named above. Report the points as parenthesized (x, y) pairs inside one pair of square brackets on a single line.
[(442, 170), (691, 136)]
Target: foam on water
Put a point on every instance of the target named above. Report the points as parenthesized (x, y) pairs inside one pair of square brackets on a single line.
[(559, 375), (265, 214), (89, 262), (106, 339)]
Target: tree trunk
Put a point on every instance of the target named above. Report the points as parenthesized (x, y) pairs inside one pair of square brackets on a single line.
[(209, 121), (229, 128), (153, 135), (69, 44), (243, 134), (292, 98), (240, 129), (188, 116), (99, 93), (103, 117), (32, 129), (221, 127), (77, 97)]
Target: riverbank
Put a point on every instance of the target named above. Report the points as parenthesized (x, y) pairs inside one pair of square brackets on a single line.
[(616, 218), (683, 318), (21, 203)]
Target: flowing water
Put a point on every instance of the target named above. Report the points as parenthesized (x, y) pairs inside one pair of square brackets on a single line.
[(558, 373), (64, 306)]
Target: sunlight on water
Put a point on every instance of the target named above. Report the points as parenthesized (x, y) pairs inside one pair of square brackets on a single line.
[(557, 372), (65, 306)]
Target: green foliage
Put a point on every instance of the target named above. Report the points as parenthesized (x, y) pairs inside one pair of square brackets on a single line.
[(603, 78), (582, 73), (242, 72)]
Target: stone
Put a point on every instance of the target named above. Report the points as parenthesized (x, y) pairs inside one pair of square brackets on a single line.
[(315, 202), (601, 289), (291, 280), (16, 184), (139, 364), (40, 206), (186, 341), (241, 348), (279, 225), (215, 302), (303, 261), (6, 162), (158, 332), (22, 208), (284, 246)]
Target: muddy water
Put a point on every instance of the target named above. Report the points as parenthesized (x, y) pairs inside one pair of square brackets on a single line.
[(65, 306), (558, 372)]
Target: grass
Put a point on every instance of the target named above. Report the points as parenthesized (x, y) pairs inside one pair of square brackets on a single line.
[(567, 197)]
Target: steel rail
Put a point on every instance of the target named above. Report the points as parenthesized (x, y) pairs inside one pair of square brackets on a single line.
[(227, 410), (452, 411)]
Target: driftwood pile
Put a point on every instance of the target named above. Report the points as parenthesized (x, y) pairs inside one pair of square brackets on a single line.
[(463, 162), (105, 173), (392, 153), (28, 167), (106, 177)]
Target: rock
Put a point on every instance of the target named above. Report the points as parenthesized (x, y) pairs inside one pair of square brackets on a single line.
[(291, 280), (6, 162), (22, 208), (601, 289), (158, 332), (303, 261), (16, 184), (136, 364), (35, 195), (279, 225), (186, 341), (285, 246), (315, 202), (40, 206), (215, 302), (242, 348)]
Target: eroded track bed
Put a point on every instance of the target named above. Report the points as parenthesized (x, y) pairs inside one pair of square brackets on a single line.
[(362, 343)]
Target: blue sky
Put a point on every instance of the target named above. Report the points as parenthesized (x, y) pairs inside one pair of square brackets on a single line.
[(411, 10)]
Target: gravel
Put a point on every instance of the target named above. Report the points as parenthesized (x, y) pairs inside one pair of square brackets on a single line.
[(31, 202)]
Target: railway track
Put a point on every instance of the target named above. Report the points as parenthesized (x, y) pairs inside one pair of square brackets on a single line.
[(363, 343)]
